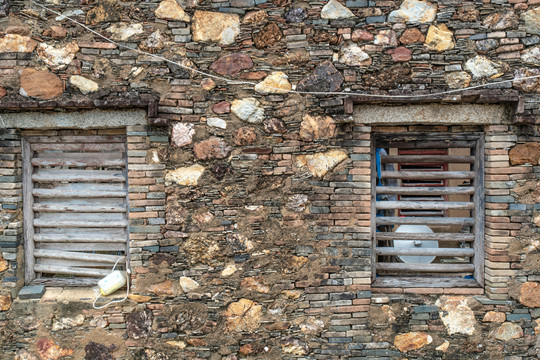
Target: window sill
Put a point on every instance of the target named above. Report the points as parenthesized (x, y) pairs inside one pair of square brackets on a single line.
[(427, 286)]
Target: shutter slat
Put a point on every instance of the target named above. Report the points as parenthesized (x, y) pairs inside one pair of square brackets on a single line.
[(426, 267), (425, 205), (73, 263), (67, 270), (91, 161), (57, 175), (441, 237), (426, 159), (80, 223), (425, 190), (64, 193), (80, 256), (394, 220), (85, 246), (427, 175), (424, 251), (67, 207), (79, 237)]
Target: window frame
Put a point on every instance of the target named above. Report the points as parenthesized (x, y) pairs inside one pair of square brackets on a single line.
[(28, 211), (478, 212)]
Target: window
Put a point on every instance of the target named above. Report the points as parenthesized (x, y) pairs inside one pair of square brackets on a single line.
[(428, 209), (75, 205)]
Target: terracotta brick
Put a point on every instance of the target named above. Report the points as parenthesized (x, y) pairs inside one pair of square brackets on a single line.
[(145, 214)]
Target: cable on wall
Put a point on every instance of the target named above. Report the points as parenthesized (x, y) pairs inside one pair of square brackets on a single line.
[(236, 82)]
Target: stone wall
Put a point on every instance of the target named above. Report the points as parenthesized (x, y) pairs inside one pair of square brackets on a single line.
[(250, 213)]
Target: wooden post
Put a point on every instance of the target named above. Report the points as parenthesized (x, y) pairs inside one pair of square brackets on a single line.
[(479, 212), (373, 210), (28, 213)]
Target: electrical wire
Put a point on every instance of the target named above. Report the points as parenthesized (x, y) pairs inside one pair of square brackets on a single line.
[(236, 82), (128, 272)]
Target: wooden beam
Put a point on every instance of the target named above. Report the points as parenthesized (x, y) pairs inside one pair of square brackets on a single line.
[(425, 251), (77, 139), (427, 144), (430, 205), (79, 147), (423, 282), (396, 220), (412, 136), (66, 282), (443, 268), (425, 190)]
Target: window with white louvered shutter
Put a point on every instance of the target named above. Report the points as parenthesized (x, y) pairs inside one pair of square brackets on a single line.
[(75, 206)]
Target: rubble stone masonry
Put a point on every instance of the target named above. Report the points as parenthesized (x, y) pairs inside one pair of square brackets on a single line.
[(250, 229)]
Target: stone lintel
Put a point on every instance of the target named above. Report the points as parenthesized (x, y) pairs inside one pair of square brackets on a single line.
[(432, 114), (91, 119)]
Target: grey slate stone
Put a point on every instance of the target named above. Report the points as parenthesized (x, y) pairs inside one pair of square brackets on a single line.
[(517, 317), (425, 309), (32, 292)]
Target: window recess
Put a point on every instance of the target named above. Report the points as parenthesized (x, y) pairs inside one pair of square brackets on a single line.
[(75, 206), (428, 209)]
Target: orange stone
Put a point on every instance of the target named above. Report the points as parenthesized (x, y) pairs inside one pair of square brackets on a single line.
[(530, 294), (525, 153), (509, 331), (48, 350), (163, 288), (196, 342), (243, 315), (140, 298), (3, 264), (43, 85), (5, 302), (256, 284), (412, 341), (495, 316)]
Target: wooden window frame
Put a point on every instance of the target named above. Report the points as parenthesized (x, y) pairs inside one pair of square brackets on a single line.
[(478, 213), (28, 225)]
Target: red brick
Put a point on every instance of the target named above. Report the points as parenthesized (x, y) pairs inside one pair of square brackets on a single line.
[(141, 181), (145, 214)]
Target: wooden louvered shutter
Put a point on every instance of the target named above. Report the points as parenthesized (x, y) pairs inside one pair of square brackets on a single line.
[(75, 206), (436, 184)]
